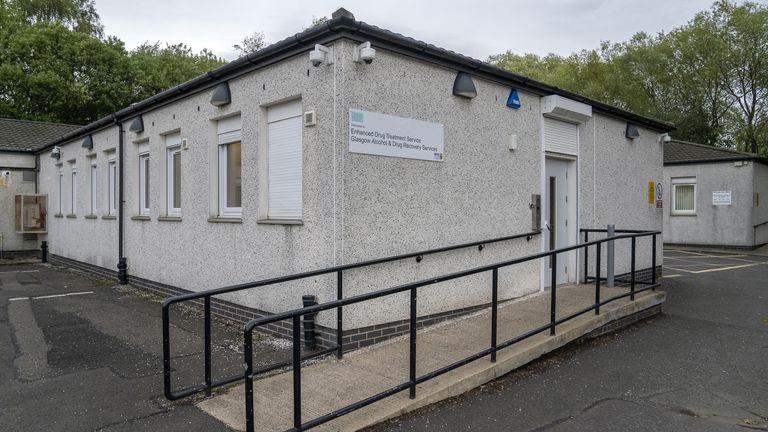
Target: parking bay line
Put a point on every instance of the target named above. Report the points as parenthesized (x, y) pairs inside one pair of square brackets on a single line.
[(51, 296), (715, 269)]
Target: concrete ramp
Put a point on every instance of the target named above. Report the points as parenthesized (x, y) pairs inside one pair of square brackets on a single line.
[(333, 384)]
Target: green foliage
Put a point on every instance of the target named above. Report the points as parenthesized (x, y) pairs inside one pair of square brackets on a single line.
[(251, 44), (709, 76), (56, 66)]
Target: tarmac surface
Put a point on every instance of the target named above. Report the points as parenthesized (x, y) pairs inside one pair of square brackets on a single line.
[(700, 366)]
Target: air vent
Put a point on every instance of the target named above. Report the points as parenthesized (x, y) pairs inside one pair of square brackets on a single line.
[(310, 118)]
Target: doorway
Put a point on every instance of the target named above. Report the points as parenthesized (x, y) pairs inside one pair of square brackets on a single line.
[(557, 212)]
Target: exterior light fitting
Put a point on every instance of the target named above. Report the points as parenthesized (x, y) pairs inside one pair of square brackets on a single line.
[(88, 142), (221, 95), (632, 132), (464, 86), (137, 125)]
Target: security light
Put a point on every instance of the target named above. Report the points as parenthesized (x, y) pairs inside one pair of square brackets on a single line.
[(321, 54), (632, 132), (137, 125), (221, 95), (464, 86), (88, 142)]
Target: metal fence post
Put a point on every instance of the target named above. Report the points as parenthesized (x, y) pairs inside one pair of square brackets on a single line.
[(248, 354), (207, 346), (610, 255), (553, 295), (297, 372), (653, 263), (597, 280), (412, 362), (632, 271), (167, 351), (494, 311), (586, 256), (339, 316)]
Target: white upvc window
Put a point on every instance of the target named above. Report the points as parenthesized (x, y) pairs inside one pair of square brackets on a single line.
[(284, 161), (112, 185), (144, 179), (230, 167), (73, 191), (173, 174), (684, 196), (94, 187), (61, 191)]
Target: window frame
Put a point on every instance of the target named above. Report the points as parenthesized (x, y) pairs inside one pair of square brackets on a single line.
[(112, 185), (144, 180), (61, 191), (94, 187), (683, 181), (73, 190), (173, 147), (224, 139)]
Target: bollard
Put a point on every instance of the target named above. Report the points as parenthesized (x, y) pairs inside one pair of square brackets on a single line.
[(609, 264), (44, 251)]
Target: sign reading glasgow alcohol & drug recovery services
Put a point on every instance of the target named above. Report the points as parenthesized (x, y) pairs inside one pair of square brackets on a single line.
[(386, 135)]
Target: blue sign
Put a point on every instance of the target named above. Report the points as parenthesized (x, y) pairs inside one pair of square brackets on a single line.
[(513, 101)]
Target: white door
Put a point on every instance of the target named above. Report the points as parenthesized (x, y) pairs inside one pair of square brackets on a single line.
[(556, 216)]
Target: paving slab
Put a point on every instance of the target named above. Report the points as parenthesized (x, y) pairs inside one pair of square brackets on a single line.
[(333, 384)]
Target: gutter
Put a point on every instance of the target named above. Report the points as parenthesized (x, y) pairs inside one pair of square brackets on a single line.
[(334, 29)]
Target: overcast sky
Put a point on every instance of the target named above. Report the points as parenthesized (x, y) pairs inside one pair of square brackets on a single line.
[(476, 28)]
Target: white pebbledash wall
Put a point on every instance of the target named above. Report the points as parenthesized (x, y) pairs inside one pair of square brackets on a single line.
[(356, 207), (15, 185)]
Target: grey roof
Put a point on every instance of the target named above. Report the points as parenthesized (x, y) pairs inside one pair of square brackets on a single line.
[(678, 152), (343, 25), (28, 136)]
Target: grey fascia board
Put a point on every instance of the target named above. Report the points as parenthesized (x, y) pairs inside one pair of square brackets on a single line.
[(719, 160), (344, 27)]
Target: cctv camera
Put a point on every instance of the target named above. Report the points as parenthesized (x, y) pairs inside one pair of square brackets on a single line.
[(56, 152), (364, 53), (667, 138), (321, 54)]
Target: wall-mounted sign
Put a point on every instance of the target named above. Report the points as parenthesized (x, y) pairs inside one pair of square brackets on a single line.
[(651, 192), (386, 135), (659, 196), (721, 198)]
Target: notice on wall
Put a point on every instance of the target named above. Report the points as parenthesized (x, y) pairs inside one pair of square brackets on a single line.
[(659, 196), (721, 198), (651, 192), (385, 135)]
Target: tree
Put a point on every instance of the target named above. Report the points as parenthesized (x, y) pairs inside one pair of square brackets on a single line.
[(157, 69), (251, 44), (77, 15)]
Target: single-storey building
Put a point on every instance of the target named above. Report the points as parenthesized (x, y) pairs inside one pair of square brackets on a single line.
[(346, 143), (19, 139), (715, 196)]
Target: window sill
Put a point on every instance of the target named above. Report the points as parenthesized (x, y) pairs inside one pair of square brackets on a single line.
[(280, 221), (58, 215), (141, 218), (71, 216), (109, 217), (682, 214), (225, 220), (91, 216), (169, 218)]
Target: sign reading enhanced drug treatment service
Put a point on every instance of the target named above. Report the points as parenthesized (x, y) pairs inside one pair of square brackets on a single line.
[(386, 135)]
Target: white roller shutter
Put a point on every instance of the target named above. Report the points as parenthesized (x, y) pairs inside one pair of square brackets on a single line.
[(561, 137), (285, 164)]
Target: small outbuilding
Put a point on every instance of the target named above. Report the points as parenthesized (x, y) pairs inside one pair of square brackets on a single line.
[(717, 196)]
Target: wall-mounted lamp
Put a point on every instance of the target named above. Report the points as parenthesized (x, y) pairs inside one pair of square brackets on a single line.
[(632, 132), (464, 86), (364, 53), (221, 95), (88, 142), (137, 125), (321, 54)]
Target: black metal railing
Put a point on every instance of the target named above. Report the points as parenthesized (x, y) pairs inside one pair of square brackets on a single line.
[(209, 383), (413, 380), (588, 278)]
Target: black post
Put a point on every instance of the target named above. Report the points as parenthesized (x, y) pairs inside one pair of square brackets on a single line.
[(412, 365), (597, 280), (122, 266), (494, 310), (310, 337), (166, 352), (297, 372), (653, 263), (207, 346), (553, 296), (586, 256), (632, 271), (44, 251), (248, 354), (339, 316)]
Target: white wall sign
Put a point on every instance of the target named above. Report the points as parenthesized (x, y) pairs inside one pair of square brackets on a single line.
[(721, 198), (386, 135)]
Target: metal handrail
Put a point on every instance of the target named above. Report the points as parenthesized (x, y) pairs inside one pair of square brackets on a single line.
[(414, 380), (338, 348), (586, 232)]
